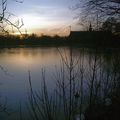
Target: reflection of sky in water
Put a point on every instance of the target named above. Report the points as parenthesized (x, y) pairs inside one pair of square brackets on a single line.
[(29, 57), (18, 61)]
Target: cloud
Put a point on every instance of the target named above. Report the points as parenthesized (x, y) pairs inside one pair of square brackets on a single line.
[(44, 14)]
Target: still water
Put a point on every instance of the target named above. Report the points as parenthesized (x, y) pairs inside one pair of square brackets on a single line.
[(16, 62)]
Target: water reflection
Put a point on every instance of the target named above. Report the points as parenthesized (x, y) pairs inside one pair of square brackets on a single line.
[(25, 57), (17, 62)]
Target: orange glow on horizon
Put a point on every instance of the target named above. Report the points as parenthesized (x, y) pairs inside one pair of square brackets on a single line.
[(43, 33), (41, 26)]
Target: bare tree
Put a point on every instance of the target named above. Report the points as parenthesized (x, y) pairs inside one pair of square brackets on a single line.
[(5, 18), (97, 11), (4, 22)]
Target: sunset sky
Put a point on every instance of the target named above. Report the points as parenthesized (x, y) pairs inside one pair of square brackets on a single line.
[(45, 16)]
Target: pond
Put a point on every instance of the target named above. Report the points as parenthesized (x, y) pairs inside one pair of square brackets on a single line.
[(17, 63)]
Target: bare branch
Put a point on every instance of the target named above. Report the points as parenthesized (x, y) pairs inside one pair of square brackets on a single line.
[(5, 20)]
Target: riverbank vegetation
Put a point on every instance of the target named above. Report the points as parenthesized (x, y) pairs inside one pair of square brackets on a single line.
[(93, 38)]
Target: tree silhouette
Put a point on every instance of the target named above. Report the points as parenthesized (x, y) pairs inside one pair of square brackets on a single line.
[(98, 11), (5, 20), (107, 7)]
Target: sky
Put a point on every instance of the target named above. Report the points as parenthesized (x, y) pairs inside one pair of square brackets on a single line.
[(45, 16)]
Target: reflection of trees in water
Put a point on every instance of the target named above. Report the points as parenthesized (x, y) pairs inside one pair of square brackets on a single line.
[(83, 84)]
